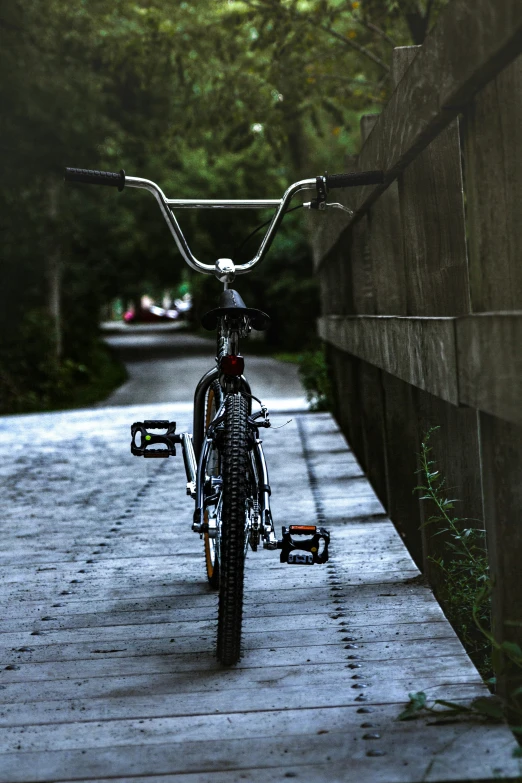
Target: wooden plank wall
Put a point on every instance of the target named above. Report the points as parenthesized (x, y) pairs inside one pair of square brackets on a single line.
[(422, 292), (400, 421), (437, 284), (493, 156)]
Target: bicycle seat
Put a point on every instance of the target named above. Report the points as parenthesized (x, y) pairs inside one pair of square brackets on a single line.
[(232, 304)]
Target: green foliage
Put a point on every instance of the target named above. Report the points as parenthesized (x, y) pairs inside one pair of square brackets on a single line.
[(502, 652), (315, 378), (28, 372), (416, 704), (466, 570), (312, 371), (208, 98), (466, 598), (486, 707), (32, 379), (102, 374), (284, 287)]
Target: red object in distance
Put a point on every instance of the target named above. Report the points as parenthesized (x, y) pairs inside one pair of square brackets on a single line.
[(232, 365)]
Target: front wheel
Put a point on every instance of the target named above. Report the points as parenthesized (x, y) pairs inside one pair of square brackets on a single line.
[(234, 470)]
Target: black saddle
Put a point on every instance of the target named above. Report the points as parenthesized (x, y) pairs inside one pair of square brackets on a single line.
[(231, 304)]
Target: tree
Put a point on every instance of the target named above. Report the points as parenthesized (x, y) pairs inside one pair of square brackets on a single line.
[(211, 97)]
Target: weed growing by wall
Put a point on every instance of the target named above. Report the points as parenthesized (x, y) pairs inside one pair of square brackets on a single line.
[(313, 373), (465, 593)]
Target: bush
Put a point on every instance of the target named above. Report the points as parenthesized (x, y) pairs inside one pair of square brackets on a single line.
[(33, 379), (313, 372)]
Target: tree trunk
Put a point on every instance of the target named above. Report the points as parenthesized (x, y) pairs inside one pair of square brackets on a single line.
[(418, 22), (54, 268)]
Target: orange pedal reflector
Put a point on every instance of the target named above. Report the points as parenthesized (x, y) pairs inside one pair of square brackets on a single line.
[(303, 528)]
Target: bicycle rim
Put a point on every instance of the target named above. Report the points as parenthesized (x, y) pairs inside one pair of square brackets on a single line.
[(234, 464), (213, 469)]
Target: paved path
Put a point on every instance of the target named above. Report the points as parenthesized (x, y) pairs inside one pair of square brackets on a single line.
[(107, 667), (164, 365)]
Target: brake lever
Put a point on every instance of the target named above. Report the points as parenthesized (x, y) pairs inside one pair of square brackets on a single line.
[(322, 205), (341, 206)]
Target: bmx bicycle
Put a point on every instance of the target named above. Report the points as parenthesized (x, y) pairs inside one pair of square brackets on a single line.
[(226, 470)]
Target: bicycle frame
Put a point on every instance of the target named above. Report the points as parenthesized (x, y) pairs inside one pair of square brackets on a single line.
[(198, 428), (201, 444)]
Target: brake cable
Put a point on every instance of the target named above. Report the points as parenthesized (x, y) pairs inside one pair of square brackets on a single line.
[(241, 246)]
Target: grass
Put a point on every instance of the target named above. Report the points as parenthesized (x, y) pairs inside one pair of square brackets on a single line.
[(290, 358)]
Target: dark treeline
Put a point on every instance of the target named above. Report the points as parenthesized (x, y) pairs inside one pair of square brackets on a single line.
[(207, 98)]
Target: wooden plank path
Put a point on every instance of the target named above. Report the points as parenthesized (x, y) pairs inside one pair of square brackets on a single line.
[(107, 667)]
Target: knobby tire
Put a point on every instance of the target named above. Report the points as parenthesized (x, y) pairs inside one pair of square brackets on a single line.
[(234, 466)]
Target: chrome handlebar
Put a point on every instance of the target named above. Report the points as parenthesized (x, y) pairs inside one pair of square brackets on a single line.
[(224, 272), (224, 268)]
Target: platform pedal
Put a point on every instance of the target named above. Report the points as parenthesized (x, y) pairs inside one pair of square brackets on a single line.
[(310, 551), (300, 558), (143, 440)]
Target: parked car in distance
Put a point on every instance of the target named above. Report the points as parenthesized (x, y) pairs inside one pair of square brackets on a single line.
[(148, 312)]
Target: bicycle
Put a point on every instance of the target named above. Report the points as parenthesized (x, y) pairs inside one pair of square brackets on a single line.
[(226, 471)]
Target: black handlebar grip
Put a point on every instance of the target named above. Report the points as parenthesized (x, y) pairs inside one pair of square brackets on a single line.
[(96, 177), (354, 179)]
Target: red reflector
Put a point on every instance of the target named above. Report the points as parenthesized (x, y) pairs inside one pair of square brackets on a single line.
[(232, 365)]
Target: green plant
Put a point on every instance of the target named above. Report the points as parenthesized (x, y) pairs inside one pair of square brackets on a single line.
[(467, 600), (313, 372), (512, 706), (32, 378), (465, 590), (488, 707)]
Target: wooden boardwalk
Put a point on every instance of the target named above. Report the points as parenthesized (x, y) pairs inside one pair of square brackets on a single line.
[(107, 644)]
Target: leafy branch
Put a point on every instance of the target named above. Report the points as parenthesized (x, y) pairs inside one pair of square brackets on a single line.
[(353, 45), (296, 16), (434, 490)]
